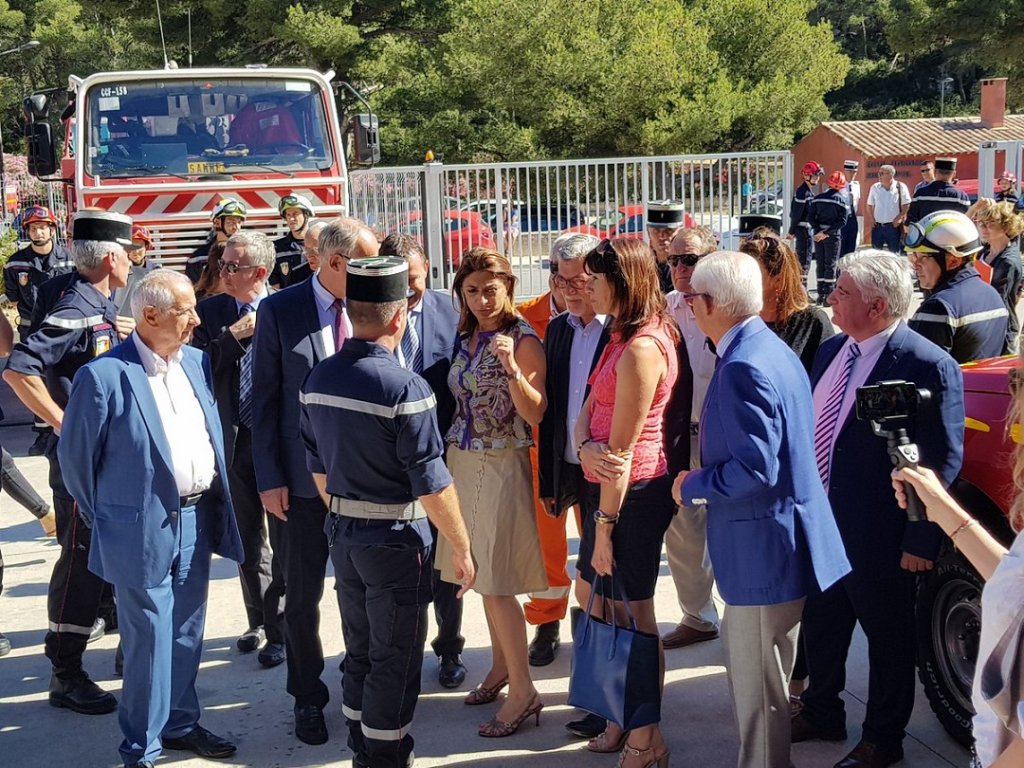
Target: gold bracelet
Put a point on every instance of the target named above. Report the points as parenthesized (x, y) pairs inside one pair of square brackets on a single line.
[(602, 518), (962, 527)]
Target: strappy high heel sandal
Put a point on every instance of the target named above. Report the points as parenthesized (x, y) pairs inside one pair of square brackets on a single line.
[(483, 695), (649, 756), (499, 729), (603, 743)]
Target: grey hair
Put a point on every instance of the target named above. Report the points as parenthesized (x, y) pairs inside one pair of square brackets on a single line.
[(316, 225), (88, 254), (881, 275), (887, 169), (732, 279), (155, 290), (340, 236), (258, 247), (572, 246)]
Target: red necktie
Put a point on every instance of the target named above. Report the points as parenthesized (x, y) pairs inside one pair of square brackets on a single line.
[(340, 331)]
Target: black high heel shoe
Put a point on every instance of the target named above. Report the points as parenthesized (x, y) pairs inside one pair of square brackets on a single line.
[(499, 729)]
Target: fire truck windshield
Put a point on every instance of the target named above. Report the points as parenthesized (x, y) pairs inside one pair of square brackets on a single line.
[(205, 127)]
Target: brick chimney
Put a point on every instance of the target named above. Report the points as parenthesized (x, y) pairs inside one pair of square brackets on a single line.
[(993, 102)]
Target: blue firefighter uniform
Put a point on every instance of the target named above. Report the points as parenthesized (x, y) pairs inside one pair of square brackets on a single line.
[(79, 328), (290, 255), (799, 224), (25, 272), (964, 315), (370, 426), (828, 214), (938, 195), (851, 230)]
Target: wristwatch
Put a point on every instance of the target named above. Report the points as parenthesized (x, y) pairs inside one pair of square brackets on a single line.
[(517, 375)]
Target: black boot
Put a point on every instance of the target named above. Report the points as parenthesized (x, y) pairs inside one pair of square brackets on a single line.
[(80, 694), (545, 644)]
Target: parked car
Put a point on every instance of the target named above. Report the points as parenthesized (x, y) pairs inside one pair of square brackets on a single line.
[(949, 596), (626, 221), (533, 217), (463, 230), (771, 193)]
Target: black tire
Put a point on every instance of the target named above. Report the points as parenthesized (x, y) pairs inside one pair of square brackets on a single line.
[(948, 630)]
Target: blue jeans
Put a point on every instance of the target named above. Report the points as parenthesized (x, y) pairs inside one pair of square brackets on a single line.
[(886, 237)]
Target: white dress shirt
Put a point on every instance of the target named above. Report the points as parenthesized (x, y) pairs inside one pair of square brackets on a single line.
[(581, 357), (182, 418), (870, 350), (885, 203), (702, 359), (325, 312)]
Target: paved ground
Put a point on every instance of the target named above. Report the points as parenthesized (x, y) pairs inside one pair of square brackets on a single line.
[(249, 704)]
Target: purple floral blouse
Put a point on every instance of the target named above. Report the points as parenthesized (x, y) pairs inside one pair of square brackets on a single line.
[(485, 416)]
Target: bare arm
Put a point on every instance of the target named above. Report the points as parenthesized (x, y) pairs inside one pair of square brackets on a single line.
[(1012, 756), (526, 359), (976, 543), (443, 511), (31, 390)]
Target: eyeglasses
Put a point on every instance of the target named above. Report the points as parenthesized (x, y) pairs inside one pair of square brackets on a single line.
[(232, 267), (683, 259), (576, 284), (689, 298)]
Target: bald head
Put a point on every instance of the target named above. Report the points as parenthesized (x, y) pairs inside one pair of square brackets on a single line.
[(342, 240)]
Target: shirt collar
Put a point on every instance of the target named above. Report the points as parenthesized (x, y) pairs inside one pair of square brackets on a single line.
[(873, 344), (324, 298), (153, 363), (255, 303), (730, 336), (576, 322)]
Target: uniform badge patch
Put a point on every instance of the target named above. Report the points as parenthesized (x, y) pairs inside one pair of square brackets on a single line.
[(285, 267), (100, 344), (23, 279)]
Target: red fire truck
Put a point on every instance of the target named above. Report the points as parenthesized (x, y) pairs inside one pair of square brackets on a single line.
[(164, 146)]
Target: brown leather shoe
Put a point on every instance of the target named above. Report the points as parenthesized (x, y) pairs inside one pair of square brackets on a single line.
[(683, 635), (869, 755), (804, 730)]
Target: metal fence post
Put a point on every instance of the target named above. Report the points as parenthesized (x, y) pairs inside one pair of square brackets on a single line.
[(787, 189), (645, 192), (987, 167), (433, 229)]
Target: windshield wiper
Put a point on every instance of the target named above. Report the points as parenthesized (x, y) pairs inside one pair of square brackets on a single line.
[(232, 167), (147, 170)]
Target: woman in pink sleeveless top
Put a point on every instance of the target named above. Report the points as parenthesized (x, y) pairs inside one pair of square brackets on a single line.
[(621, 446)]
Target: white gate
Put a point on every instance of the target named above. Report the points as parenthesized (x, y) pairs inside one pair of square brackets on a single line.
[(520, 208), (988, 157)]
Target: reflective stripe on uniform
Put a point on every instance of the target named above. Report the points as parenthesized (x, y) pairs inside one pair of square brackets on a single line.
[(362, 406), (351, 714), (817, 200), (960, 322), (378, 734), (552, 593), (71, 628), (197, 259), (939, 199), (75, 323)]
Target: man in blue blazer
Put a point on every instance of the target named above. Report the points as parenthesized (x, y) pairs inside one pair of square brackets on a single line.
[(869, 303), (142, 454), (427, 348), (771, 536), (295, 329)]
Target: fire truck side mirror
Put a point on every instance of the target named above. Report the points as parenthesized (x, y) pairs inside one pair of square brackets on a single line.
[(367, 139), (42, 155)]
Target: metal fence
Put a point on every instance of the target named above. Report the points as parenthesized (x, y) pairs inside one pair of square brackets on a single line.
[(1005, 155), (521, 208), (20, 191)]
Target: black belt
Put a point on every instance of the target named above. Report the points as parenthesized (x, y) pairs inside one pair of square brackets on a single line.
[(884, 224), (190, 501)]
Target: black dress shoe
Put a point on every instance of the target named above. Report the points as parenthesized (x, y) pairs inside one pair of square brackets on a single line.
[(589, 727), (82, 695), (870, 755), (272, 654), (309, 724), (545, 644), (99, 629), (804, 730), (38, 447), (202, 742), (451, 672), (250, 640), (5, 645)]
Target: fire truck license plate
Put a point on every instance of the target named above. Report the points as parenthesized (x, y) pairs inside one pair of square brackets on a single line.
[(205, 167)]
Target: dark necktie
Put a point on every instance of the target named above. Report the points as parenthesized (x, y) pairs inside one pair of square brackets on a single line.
[(828, 419), (412, 351), (245, 376), (340, 331)]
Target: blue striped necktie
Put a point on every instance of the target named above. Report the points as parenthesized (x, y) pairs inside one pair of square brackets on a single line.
[(245, 377), (828, 419), (412, 352)]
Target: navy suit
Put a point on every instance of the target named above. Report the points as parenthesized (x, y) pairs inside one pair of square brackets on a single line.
[(770, 535), (439, 322), (879, 593), (287, 344), (261, 576), (156, 551)]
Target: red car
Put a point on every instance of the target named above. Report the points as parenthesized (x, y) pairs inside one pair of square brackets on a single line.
[(462, 230), (949, 596), (628, 221)]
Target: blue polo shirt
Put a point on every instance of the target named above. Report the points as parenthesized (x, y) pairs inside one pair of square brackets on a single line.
[(370, 425)]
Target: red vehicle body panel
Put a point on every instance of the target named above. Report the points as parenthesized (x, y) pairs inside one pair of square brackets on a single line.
[(988, 447)]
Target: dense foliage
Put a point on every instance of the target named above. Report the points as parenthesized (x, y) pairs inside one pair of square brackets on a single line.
[(504, 79)]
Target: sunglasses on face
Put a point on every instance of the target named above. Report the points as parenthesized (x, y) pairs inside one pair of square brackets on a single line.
[(683, 259), (231, 267)]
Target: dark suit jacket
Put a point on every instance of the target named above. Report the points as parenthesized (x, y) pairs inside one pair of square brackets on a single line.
[(437, 340), (288, 343), (770, 531), (874, 529), (217, 313), (557, 349), (678, 415)]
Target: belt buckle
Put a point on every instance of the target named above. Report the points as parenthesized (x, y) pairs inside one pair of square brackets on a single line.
[(191, 500)]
